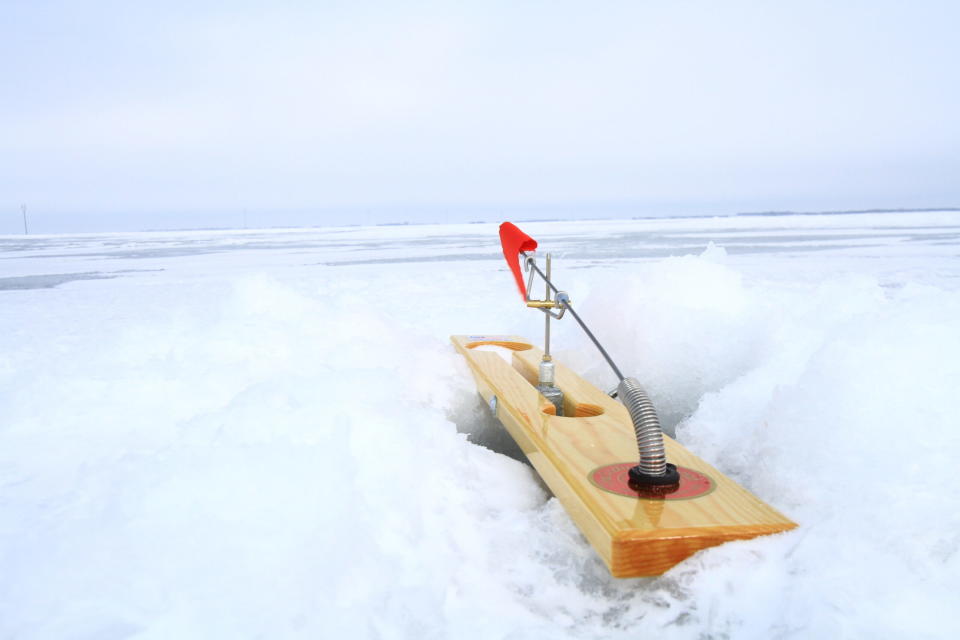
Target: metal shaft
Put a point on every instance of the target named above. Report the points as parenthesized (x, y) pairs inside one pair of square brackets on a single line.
[(593, 338), (568, 307), (546, 332)]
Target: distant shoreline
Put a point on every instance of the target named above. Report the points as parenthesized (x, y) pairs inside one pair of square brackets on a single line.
[(520, 220), (843, 212)]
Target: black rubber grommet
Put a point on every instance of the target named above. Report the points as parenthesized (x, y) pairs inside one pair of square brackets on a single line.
[(670, 478)]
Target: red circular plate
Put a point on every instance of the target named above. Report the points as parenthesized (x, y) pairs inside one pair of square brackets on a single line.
[(614, 478)]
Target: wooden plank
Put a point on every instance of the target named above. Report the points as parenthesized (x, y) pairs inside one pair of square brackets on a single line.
[(583, 458)]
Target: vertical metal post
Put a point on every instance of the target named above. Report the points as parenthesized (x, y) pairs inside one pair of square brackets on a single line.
[(546, 339), (547, 386), (23, 210)]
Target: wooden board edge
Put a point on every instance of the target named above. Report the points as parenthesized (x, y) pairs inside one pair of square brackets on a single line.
[(639, 554)]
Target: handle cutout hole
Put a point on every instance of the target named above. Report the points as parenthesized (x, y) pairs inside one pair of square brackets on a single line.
[(506, 344), (584, 410), (502, 348), (571, 410)]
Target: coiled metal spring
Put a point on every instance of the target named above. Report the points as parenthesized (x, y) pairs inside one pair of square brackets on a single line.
[(646, 425)]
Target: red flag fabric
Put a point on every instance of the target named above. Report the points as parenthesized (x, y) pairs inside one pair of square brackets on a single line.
[(514, 241)]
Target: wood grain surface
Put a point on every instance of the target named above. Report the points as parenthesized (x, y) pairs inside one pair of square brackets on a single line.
[(635, 536)]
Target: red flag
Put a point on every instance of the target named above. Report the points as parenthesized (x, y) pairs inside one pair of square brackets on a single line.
[(514, 241)]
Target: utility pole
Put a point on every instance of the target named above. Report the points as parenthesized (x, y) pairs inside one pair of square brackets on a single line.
[(23, 210)]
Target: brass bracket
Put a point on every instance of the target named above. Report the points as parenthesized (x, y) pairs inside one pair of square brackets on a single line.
[(542, 304)]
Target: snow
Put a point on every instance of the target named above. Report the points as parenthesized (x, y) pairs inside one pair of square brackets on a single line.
[(266, 433)]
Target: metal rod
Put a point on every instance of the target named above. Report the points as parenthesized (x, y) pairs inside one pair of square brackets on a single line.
[(546, 339), (534, 266), (566, 305), (603, 352), (23, 210)]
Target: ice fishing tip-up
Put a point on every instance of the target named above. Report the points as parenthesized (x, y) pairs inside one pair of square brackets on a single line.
[(653, 469)]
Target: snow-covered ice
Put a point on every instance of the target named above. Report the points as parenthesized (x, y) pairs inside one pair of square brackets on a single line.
[(265, 434)]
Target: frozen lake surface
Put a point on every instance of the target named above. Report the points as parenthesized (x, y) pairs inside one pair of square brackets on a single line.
[(265, 433)]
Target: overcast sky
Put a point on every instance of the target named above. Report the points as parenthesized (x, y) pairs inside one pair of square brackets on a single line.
[(129, 115)]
